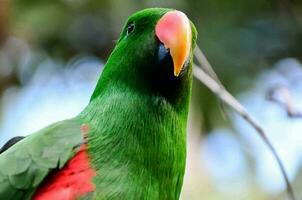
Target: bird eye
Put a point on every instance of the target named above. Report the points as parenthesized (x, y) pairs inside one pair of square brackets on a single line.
[(130, 28)]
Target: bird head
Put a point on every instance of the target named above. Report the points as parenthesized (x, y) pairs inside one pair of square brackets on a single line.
[(153, 54)]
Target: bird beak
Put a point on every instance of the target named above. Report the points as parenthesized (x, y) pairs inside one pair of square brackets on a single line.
[(174, 30)]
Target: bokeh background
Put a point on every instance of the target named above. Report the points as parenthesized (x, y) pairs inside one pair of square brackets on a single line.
[(52, 52)]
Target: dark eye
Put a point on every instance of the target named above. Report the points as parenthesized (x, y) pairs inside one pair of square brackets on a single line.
[(130, 28)]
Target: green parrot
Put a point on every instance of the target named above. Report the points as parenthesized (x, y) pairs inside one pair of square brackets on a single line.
[(130, 141)]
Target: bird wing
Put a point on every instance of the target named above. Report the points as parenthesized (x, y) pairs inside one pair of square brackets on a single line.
[(24, 165)]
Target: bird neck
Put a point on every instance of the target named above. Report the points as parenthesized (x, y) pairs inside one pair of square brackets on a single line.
[(136, 141)]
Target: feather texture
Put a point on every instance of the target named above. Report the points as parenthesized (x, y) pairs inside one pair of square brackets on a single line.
[(73, 181)]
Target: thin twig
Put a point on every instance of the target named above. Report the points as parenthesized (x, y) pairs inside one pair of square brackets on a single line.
[(215, 86), (201, 58)]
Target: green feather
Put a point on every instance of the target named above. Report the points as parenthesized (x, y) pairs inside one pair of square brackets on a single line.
[(25, 165), (136, 140)]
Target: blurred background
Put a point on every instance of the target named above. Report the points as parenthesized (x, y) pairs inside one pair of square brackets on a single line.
[(52, 52)]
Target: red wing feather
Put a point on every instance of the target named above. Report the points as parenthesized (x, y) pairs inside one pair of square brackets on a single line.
[(71, 182)]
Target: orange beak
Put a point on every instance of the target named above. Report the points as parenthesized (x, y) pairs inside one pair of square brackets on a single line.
[(174, 31)]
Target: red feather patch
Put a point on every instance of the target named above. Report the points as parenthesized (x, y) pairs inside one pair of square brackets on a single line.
[(71, 182)]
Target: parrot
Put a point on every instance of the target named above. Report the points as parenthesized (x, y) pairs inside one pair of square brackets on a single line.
[(129, 142)]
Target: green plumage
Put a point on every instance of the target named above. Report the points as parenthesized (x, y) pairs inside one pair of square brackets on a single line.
[(24, 166), (137, 122)]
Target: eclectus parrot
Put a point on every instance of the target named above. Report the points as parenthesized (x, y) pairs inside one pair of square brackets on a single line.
[(129, 142)]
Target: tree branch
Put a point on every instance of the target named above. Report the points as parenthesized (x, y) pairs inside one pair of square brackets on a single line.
[(207, 76)]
